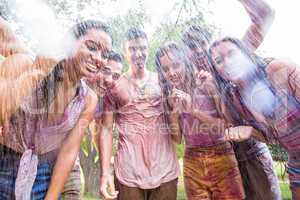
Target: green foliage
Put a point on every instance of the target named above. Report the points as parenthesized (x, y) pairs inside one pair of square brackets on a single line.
[(96, 158), (84, 145), (180, 150), (183, 14), (286, 193), (280, 170), (278, 153), (189, 12), (90, 197), (120, 24)]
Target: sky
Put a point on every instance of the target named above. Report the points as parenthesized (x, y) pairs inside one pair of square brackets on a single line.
[(281, 41)]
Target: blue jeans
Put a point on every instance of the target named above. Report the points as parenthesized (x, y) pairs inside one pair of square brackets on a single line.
[(9, 163)]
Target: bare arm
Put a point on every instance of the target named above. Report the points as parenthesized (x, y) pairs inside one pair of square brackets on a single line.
[(105, 144), (19, 72), (285, 75), (211, 121), (262, 17), (241, 133), (18, 60), (9, 43), (69, 150), (19, 76)]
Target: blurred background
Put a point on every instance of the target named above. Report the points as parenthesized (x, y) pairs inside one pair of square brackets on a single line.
[(45, 22)]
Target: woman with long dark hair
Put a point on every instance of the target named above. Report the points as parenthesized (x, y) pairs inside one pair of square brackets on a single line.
[(263, 98), (253, 156), (191, 106), (48, 126)]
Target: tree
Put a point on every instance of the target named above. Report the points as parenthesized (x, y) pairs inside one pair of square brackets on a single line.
[(187, 13)]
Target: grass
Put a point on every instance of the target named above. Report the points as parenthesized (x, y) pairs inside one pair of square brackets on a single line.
[(283, 180), (181, 193), (279, 169), (285, 191), (90, 197)]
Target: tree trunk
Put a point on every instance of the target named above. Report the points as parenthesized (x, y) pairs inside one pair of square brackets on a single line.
[(91, 169)]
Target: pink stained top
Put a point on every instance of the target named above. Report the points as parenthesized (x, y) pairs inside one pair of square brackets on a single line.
[(146, 155), (29, 133), (197, 133), (29, 129)]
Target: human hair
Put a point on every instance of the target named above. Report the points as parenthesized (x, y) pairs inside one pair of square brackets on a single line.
[(47, 90), (81, 28), (259, 72), (189, 76), (229, 91), (135, 33), (115, 57), (195, 35)]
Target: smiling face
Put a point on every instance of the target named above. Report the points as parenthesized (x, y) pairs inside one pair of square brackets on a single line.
[(93, 48), (136, 51), (111, 73), (231, 62), (173, 69)]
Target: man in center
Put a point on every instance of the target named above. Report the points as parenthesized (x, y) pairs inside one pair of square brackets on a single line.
[(146, 165)]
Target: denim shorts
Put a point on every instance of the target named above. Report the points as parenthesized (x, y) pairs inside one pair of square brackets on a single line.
[(9, 163)]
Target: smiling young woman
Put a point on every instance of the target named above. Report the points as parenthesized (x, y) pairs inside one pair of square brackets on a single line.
[(42, 138)]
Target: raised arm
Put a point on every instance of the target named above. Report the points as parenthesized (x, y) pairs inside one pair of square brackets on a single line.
[(19, 72), (70, 149), (9, 42), (262, 17), (18, 59), (19, 76)]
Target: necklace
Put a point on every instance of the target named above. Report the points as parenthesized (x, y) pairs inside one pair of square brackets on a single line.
[(142, 90), (140, 85)]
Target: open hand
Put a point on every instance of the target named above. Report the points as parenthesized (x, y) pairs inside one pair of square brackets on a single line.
[(107, 187)]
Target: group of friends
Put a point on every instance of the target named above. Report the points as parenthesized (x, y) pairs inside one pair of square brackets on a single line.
[(221, 98)]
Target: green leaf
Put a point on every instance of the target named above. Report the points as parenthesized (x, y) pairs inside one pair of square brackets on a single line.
[(84, 147)]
